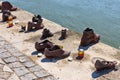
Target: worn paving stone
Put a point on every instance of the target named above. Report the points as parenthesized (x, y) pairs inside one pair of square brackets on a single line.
[(28, 76), (17, 54), (10, 59), (2, 50), (5, 55), (7, 69), (4, 75), (1, 61), (21, 71), (2, 43), (12, 50), (2, 79), (23, 59), (15, 65), (8, 46), (41, 73), (35, 68), (29, 64), (2, 39), (50, 77), (14, 77)]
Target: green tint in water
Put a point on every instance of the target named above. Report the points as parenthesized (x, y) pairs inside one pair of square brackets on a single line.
[(101, 15)]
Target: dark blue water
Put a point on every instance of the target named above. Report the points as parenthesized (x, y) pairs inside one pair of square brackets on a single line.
[(101, 15)]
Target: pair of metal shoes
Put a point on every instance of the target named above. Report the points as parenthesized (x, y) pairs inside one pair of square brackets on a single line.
[(50, 50)]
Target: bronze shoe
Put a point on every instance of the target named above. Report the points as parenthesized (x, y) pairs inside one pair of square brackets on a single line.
[(89, 37), (46, 33), (100, 65), (7, 6), (56, 52)]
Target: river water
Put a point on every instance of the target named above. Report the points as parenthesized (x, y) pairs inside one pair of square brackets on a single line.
[(101, 15)]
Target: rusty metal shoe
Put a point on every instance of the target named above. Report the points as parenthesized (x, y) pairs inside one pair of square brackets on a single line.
[(42, 45), (46, 33), (7, 6), (101, 65), (89, 37), (56, 52), (63, 34)]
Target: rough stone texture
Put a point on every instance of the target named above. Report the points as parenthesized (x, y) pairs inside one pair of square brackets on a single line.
[(35, 68), (2, 43), (5, 55), (11, 59), (4, 75), (15, 65), (41, 73), (17, 54), (13, 77), (29, 64), (7, 69), (23, 59), (50, 77), (2, 50), (28, 76), (21, 71)]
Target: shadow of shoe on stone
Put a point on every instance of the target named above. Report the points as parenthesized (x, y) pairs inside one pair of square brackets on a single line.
[(97, 74), (34, 53), (53, 60)]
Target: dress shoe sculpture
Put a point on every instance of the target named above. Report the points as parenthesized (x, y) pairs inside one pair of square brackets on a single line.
[(56, 52), (46, 33), (101, 65), (42, 45), (89, 37), (6, 14), (63, 34), (7, 6), (35, 24)]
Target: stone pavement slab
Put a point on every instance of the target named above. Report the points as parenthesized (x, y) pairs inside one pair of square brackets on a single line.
[(16, 66)]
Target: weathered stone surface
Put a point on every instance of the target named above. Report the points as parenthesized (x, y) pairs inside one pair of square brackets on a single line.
[(12, 50), (11, 59), (50, 77), (29, 64), (2, 43), (4, 75), (28, 76), (1, 61), (41, 73), (8, 46), (17, 54), (35, 68), (2, 50), (5, 55), (7, 69), (15, 65), (1, 39), (2, 79), (23, 59), (21, 71), (13, 77)]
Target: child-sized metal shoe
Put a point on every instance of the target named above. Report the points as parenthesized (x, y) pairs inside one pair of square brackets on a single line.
[(56, 52), (46, 33)]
